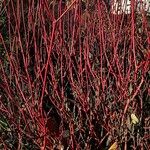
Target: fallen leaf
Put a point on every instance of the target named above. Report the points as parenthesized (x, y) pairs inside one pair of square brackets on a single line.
[(134, 119), (113, 146)]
